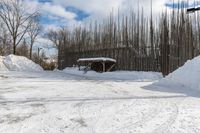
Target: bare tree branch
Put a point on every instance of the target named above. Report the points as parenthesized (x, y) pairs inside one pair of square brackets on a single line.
[(17, 19)]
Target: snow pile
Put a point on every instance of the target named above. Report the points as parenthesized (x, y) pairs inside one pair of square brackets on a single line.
[(117, 75), (2, 66), (187, 76), (18, 63)]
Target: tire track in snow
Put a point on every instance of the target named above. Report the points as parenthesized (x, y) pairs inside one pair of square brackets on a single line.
[(165, 127), (145, 118), (37, 109), (81, 107), (102, 110), (78, 121), (100, 115), (83, 104), (111, 115)]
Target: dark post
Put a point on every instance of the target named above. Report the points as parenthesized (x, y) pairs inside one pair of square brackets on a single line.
[(104, 66), (39, 60), (192, 10)]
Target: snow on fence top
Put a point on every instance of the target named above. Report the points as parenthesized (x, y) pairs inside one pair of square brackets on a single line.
[(104, 59)]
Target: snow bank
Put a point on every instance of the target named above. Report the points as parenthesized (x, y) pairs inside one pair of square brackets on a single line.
[(187, 76), (18, 63), (2, 66), (118, 75)]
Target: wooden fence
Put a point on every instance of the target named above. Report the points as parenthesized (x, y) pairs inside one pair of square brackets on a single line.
[(126, 59), (166, 61)]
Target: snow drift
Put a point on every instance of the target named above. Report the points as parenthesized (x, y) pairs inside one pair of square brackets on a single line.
[(2, 66), (18, 63), (187, 76), (117, 75)]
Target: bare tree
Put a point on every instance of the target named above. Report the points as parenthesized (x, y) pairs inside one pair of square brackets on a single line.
[(33, 33), (60, 40), (53, 36), (135, 41), (17, 19), (22, 49), (4, 40)]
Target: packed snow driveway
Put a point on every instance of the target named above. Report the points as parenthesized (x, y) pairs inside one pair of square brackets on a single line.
[(55, 102)]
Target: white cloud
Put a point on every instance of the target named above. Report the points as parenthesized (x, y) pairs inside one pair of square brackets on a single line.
[(58, 10), (47, 46), (52, 9), (101, 8), (48, 27), (98, 9)]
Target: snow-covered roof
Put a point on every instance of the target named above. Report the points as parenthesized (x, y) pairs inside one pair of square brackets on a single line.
[(96, 59)]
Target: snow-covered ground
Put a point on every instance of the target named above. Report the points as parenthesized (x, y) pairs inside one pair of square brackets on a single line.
[(2, 66), (117, 75), (63, 102)]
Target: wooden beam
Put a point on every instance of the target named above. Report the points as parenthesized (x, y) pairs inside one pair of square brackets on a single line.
[(110, 68), (104, 67), (192, 10)]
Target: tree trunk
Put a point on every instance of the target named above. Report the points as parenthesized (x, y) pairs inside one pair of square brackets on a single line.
[(31, 48), (14, 48)]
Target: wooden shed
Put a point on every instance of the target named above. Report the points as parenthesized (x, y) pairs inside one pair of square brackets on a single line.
[(100, 64)]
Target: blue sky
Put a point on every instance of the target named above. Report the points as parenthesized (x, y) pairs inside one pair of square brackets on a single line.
[(183, 4), (56, 20), (81, 15), (56, 13)]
